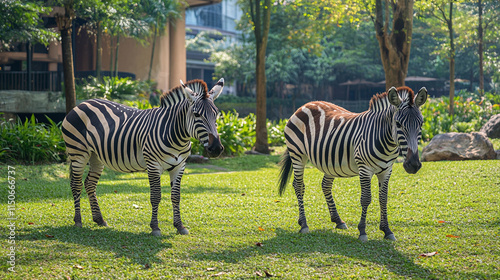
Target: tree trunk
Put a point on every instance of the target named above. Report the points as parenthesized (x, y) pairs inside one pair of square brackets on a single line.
[(261, 143), (261, 32), (394, 47), (480, 35), (116, 54), (452, 61), (153, 51), (98, 60), (64, 24)]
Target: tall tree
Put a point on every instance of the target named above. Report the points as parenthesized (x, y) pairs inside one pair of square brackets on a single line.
[(260, 13), (20, 21), (394, 42), (64, 20), (158, 14)]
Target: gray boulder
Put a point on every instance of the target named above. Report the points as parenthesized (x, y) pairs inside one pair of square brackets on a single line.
[(459, 146), (492, 127)]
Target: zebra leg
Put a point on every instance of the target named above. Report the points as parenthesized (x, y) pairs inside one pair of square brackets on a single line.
[(326, 186), (95, 171), (175, 183), (365, 177), (76, 169), (383, 179), (154, 176), (298, 186)]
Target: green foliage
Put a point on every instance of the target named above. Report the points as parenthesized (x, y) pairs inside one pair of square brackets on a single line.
[(31, 142), (21, 21), (238, 134), (471, 113), (112, 88)]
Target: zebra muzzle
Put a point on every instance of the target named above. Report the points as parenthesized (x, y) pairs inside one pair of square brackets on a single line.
[(214, 147), (412, 163)]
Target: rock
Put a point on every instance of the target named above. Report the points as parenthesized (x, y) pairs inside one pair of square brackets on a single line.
[(492, 127), (459, 146), (498, 154)]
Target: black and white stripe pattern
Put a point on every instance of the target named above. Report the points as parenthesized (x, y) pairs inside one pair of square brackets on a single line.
[(105, 133), (344, 144)]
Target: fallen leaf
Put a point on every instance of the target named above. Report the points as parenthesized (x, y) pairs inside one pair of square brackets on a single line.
[(442, 222), (261, 229), (452, 236), (218, 274), (242, 194), (31, 223), (210, 268), (78, 266), (146, 266), (49, 236), (116, 191), (53, 204), (258, 273), (268, 274), (276, 201), (428, 254), (258, 244)]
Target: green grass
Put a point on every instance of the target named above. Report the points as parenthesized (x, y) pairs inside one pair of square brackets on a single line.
[(224, 210)]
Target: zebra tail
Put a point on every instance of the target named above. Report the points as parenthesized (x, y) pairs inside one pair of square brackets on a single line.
[(286, 167)]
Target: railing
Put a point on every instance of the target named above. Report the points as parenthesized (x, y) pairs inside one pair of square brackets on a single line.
[(38, 80), (44, 80)]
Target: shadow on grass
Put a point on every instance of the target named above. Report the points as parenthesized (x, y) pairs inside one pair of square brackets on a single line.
[(139, 248), (344, 250)]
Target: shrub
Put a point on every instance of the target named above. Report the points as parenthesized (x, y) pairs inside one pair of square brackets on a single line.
[(238, 134), (112, 88), (31, 142), (471, 113)]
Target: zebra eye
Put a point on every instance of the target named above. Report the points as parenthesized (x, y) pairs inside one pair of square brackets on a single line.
[(197, 115)]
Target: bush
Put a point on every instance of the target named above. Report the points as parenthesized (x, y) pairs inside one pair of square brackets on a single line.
[(112, 88), (471, 113), (31, 142), (238, 134)]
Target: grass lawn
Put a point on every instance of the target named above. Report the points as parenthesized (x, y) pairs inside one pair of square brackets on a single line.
[(231, 207)]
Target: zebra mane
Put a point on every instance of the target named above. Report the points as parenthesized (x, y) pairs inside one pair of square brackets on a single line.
[(380, 101), (176, 94)]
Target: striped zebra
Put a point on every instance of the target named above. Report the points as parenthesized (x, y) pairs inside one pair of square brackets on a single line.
[(105, 133), (344, 144)]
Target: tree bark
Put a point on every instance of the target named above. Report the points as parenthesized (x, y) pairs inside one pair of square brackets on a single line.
[(98, 60), (64, 23), (480, 43), (394, 46), (452, 61), (261, 31)]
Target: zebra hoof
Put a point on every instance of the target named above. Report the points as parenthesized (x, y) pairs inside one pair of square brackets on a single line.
[(156, 232), (363, 238), (103, 224), (183, 231), (78, 225), (390, 237), (341, 226), (304, 230)]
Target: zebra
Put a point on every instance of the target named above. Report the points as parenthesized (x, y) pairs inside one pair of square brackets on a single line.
[(344, 144), (105, 133)]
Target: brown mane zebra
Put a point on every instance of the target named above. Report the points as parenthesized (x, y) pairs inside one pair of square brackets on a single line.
[(105, 133), (344, 144)]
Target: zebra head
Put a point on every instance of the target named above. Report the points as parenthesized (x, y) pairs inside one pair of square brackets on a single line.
[(407, 124), (202, 116)]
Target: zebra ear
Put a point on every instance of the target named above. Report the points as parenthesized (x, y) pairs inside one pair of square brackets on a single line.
[(393, 96), (217, 89), (421, 97), (190, 95)]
